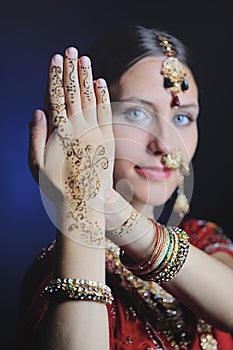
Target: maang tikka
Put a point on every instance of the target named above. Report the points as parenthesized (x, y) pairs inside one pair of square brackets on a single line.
[(174, 160), (172, 71)]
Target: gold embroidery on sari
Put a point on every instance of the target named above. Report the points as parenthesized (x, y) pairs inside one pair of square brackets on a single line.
[(166, 310)]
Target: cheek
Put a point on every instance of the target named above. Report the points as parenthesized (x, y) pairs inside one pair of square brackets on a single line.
[(120, 167), (128, 132), (122, 171), (189, 143), (192, 143), (130, 142)]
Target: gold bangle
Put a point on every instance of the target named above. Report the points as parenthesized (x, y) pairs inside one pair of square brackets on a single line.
[(159, 257), (178, 258), (163, 259), (166, 259), (126, 227), (134, 267), (168, 265)]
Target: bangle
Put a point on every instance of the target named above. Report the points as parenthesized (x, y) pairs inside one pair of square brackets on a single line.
[(162, 258), (132, 266), (160, 243), (168, 260), (126, 227), (179, 255), (63, 289), (156, 256), (169, 253)]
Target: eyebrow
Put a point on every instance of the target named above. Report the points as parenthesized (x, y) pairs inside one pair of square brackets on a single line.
[(151, 105), (135, 99)]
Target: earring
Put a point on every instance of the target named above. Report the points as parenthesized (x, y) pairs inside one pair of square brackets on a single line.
[(181, 205), (174, 160)]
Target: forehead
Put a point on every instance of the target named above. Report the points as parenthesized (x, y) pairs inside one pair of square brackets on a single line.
[(144, 80)]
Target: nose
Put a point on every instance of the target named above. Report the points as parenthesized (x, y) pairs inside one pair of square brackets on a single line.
[(157, 147), (162, 140)]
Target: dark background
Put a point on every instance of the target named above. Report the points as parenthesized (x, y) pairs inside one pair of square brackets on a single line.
[(30, 33)]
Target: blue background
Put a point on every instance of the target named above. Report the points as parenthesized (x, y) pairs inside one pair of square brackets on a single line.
[(30, 33)]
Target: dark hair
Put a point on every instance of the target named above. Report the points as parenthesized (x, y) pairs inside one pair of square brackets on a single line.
[(113, 54)]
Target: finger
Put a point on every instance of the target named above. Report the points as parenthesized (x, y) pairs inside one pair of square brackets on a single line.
[(104, 113), (58, 116), (46, 99), (71, 83), (37, 142), (87, 94)]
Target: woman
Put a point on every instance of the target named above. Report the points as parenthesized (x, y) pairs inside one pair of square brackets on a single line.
[(165, 293)]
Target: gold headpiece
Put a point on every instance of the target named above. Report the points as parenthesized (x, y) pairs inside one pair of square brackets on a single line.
[(172, 70)]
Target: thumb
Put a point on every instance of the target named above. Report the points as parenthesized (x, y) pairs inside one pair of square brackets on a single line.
[(37, 142)]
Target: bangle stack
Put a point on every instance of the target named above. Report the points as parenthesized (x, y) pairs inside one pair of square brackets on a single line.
[(63, 289), (169, 253)]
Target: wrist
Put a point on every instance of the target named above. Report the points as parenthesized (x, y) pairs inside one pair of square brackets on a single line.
[(75, 260), (125, 226), (117, 210), (84, 224)]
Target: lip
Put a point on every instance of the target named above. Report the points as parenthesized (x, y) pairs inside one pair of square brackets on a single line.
[(154, 173)]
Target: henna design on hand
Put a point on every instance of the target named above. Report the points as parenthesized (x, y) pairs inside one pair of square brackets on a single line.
[(86, 83), (57, 97), (84, 182), (82, 163), (92, 233), (82, 185), (71, 88), (103, 93), (57, 91)]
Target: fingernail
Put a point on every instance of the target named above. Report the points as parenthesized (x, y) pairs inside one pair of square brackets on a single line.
[(57, 59), (85, 61), (72, 52), (37, 115), (101, 82)]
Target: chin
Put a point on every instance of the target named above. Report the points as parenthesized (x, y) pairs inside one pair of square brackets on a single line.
[(151, 200), (139, 189), (155, 194)]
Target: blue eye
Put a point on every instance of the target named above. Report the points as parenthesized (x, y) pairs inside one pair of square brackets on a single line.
[(181, 119), (136, 114)]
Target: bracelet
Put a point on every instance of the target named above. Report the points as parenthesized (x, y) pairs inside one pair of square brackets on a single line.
[(167, 262), (159, 262), (178, 259), (130, 264), (63, 289), (158, 253), (126, 227), (169, 253), (164, 251)]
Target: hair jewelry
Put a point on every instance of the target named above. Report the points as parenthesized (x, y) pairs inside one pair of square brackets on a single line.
[(172, 71)]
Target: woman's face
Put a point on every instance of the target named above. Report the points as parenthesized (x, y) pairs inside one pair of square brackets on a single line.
[(146, 128)]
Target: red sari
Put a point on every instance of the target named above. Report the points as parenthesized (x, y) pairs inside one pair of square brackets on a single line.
[(143, 315)]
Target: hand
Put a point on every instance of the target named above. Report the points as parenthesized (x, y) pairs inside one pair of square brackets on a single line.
[(72, 158)]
